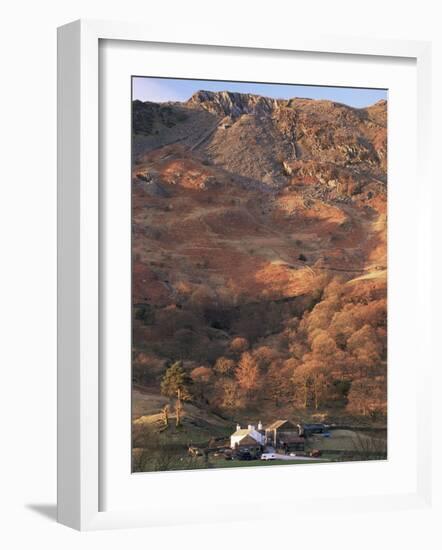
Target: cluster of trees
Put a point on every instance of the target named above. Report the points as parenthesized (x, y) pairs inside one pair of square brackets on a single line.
[(333, 356)]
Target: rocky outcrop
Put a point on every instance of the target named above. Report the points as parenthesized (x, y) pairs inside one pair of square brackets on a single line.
[(233, 104), (151, 184), (274, 142)]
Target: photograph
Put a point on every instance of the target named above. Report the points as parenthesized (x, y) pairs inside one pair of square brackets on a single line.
[(259, 274)]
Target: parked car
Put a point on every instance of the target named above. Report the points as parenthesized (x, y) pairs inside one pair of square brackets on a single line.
[(268, 456), (292, 454), (245, 455), (316, 453)]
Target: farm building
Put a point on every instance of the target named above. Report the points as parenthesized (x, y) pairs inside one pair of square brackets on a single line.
[(281, 434), (275, 432), (309, 429), (244, 436)]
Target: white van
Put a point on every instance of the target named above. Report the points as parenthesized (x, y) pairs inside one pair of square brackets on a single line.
[(268, 456)]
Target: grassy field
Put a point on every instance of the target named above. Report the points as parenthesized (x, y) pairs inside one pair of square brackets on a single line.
[(350, 445)]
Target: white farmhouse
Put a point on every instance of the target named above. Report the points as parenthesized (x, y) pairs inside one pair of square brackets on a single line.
[(244, 436)]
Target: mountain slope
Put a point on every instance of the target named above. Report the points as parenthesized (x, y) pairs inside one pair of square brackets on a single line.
[(262, 220)]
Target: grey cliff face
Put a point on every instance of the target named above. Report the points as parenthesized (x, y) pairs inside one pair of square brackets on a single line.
[(232, 103)]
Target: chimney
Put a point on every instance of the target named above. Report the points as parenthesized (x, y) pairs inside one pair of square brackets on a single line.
[(260, 425), (238, 427), (250, 427)]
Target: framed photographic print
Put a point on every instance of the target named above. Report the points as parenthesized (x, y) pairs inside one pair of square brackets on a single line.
[(235, 227), (259, 274)]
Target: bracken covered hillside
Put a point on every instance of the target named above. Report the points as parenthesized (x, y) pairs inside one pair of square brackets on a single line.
[(259, 257)]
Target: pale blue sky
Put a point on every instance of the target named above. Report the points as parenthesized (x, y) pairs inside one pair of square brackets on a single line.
[(173, 89)]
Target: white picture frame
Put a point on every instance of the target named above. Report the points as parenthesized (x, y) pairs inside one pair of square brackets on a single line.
[(79, 272)]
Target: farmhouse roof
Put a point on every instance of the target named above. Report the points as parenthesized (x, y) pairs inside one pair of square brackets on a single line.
[(242, 431), (279, 424)]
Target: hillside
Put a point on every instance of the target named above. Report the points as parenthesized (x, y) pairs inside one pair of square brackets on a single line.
[(259, 240)]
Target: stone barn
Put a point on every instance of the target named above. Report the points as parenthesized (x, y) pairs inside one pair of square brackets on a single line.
[(275, 432)]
